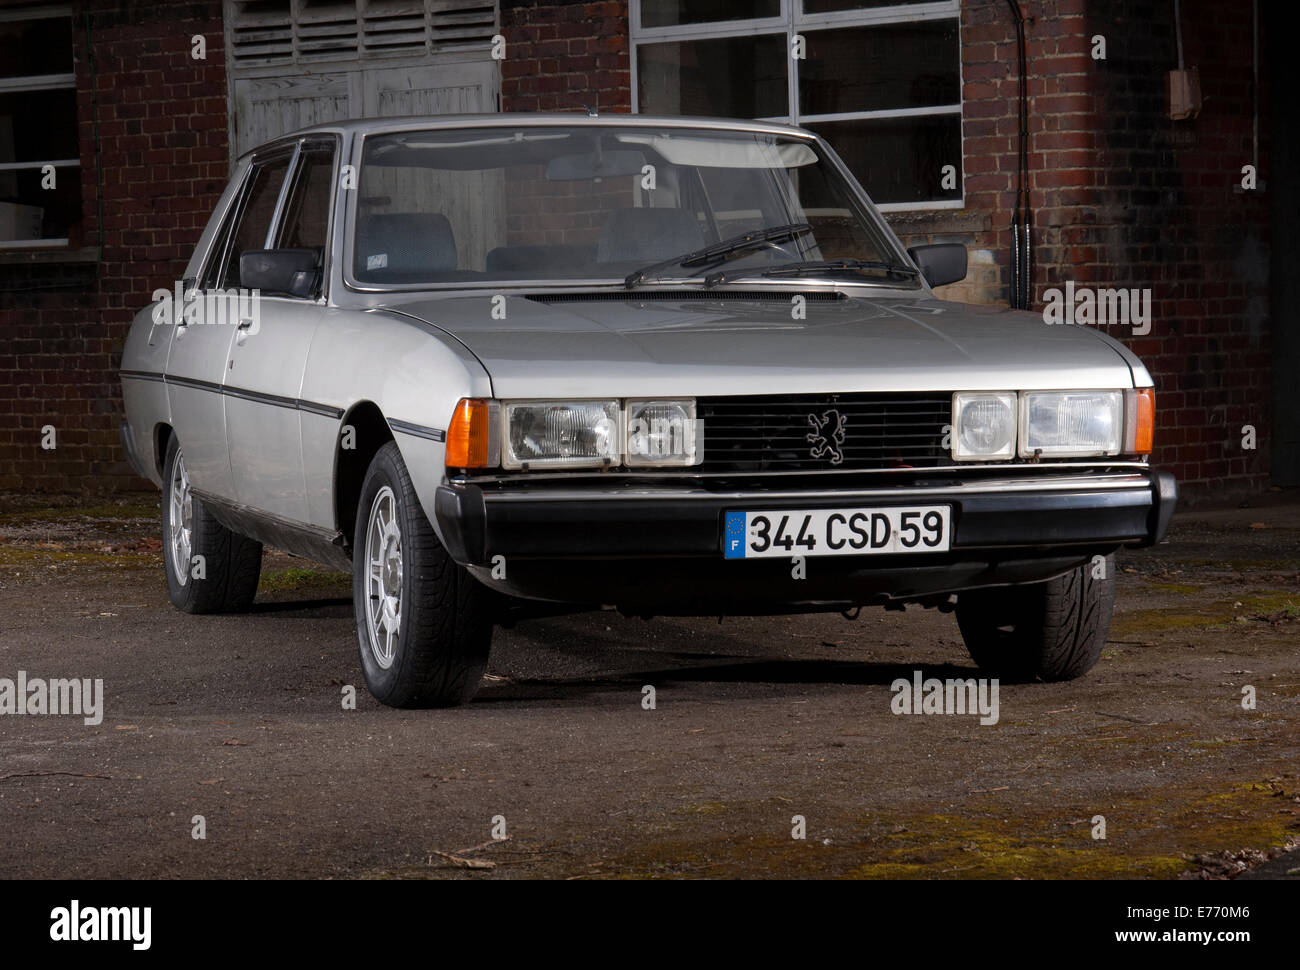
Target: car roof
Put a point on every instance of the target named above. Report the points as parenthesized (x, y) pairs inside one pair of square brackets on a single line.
[(541, 119)]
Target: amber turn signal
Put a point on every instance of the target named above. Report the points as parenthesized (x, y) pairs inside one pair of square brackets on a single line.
[(1142, 417), (469, 435)]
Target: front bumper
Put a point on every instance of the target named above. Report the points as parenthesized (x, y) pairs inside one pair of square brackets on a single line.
[(659, 548), (478, 524)]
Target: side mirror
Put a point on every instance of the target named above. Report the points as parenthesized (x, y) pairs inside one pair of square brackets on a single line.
[(940, 263), (291, 271)]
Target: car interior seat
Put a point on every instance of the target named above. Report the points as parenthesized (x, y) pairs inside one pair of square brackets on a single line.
[(404, 246)]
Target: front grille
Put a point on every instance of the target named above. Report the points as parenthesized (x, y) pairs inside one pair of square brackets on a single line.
[(769, 433)]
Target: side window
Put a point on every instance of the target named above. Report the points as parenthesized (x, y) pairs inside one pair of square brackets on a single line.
[(306, 220), (255, 215)]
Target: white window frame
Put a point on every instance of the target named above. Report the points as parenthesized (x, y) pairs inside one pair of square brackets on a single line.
[(38, 82), (791, 21)]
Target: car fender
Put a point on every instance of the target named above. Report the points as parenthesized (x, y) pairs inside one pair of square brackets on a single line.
[(413, 372)]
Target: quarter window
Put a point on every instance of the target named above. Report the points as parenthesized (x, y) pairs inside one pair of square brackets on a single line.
[(306, 220)]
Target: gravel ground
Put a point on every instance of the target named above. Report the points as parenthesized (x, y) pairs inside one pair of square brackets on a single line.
[(239, 719)]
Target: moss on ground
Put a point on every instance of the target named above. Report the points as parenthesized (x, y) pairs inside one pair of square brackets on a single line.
[(1147, 837), (1215, 613), (296, 578)]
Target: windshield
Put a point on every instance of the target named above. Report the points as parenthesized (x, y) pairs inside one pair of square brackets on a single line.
[(618, 204)]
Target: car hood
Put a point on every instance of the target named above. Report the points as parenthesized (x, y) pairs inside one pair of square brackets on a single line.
[(641, 344)]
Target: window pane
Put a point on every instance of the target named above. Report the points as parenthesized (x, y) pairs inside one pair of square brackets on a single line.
[(829, 6), (555, 203), (828, 207), (737, 77), (34, 47), (307, 215), (873, 68), (736, 206), (38, 126), (29, 211), (666, 13), (899, 159), (256, 217)]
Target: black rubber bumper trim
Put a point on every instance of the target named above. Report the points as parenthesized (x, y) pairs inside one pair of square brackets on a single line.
[(1164, 489), (476, 526), (462, 520)]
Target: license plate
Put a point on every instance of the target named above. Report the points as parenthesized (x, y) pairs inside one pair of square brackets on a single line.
[(837, 532)]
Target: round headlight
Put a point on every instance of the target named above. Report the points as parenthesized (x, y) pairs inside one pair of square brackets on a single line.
[(986, 428)]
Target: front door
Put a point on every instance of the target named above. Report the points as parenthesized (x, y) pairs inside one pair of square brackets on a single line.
[(269, 354)]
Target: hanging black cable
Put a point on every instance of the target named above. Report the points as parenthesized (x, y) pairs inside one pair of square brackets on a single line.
[(1021, 222)]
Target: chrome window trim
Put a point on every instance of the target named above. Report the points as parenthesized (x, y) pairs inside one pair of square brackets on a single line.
[(277, 214)]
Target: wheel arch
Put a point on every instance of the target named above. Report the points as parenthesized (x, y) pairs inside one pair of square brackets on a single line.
[(161, 440)]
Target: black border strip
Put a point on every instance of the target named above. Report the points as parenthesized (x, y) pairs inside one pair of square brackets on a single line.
[(243, 394), (141, 375), (419, 430), (257, 397), (322, 409)]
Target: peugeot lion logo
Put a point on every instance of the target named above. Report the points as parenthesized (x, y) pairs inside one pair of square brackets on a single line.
[(827, 444)]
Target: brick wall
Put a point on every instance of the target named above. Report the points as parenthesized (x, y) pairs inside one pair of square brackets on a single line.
[(1169, 214), (1121, 196), (565, 56), (162, 147)]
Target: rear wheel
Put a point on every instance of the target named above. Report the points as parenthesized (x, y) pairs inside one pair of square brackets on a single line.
[(209, 568), (1044, 631), (424, 625)]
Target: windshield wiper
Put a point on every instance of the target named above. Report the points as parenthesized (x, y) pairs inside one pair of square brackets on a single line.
[(719, 251), (894, 270)]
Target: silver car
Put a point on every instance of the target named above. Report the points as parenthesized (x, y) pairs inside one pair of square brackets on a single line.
[(510, 364)]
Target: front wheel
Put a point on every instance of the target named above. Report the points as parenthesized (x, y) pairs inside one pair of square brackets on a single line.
[(1043, 631), (424, 624)]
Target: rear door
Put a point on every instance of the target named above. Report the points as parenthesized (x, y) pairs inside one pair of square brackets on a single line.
[(200, 348), (263, 387)]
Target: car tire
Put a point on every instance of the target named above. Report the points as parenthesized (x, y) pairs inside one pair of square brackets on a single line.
[(225, 579), (1048, 631), (424, 624)]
